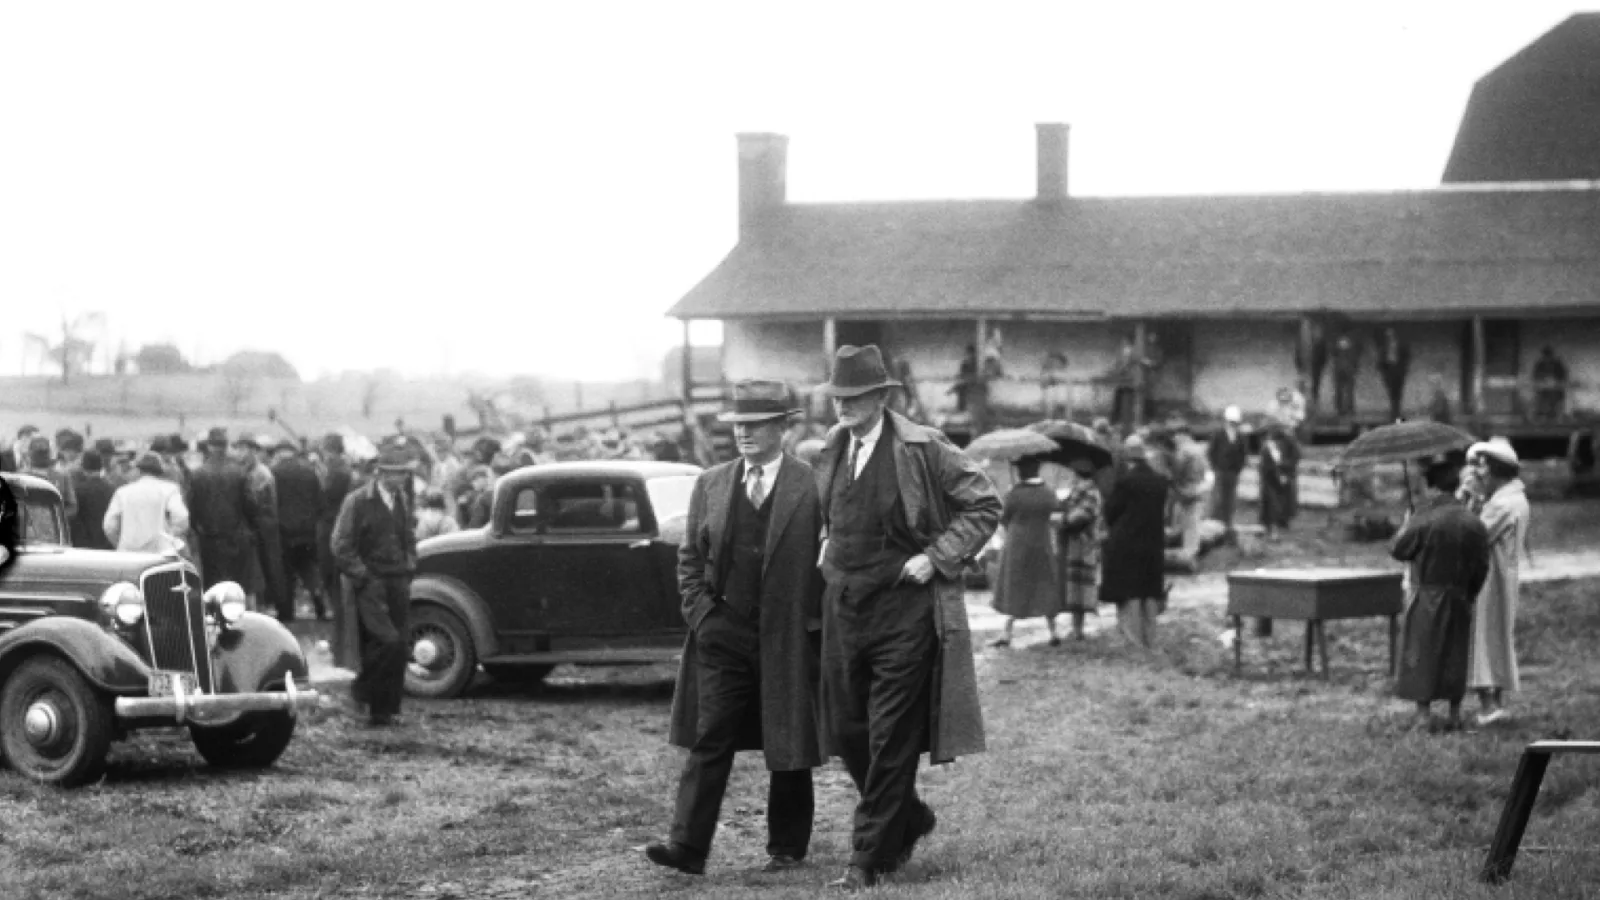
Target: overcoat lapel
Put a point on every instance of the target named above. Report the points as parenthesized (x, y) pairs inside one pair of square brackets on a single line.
[(786, 496), (719, 507)]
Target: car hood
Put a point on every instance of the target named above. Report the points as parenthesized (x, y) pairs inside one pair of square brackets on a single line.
[(60, 567), (465, 539)]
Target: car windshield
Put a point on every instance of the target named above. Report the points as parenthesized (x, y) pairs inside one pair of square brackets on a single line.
[(669, 497), (42, 523)]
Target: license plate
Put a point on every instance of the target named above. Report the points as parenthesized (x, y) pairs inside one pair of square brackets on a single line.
[(161, 683)]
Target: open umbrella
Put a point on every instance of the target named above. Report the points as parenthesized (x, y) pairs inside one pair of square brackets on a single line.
[(1404, 441), (1073, 441), (1010, 444)]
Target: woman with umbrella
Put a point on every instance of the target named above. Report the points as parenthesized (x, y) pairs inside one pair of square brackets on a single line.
[(1027, 584)]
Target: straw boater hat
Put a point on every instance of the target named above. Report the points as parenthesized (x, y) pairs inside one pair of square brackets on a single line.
[(759, 400), (858, 370), (1497, 448)]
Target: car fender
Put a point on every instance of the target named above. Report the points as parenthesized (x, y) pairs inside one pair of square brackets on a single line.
[(108, 663), (256, 653), (442, 590)]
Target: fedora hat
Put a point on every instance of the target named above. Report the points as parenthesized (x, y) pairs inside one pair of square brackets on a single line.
[(394, 457), (858, 370), (217, 437), (247, 439), (757, 400)]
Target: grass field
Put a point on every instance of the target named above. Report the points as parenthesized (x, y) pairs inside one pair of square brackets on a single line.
[(1112, 773)]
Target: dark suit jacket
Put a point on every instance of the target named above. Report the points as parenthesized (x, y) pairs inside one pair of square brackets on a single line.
[(88, 526), (1136, 513), (790, 618)]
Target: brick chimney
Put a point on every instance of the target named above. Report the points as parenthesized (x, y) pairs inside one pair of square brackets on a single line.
[(1052, 162), (763, 176)]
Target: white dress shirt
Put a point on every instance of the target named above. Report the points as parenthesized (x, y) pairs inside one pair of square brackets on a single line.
[(867, 443), (769, 477)]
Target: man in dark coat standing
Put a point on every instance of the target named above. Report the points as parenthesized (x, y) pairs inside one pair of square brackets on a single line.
[(333, 473), (1227, 453), (221, 514), (299, 510), (905, 511), (375, 542), (1131, 568), (94, 498), (1448, 548), (268, 560), (752, 596)]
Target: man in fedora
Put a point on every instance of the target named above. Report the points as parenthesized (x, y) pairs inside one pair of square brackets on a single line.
[(267, 562), (375, 544), (904, 511), (221, 513), (747, 570)]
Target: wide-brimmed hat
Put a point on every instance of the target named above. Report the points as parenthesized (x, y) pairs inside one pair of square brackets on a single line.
[(150, 464), (758, 400), (69, 440), (40, 455), (106, 447), (1133, 448), (858, 370), (333, 442), (1232, 414), (176, 443), (246, 439), (1497, 448), (286, 444), (395, 457), (217, 437)]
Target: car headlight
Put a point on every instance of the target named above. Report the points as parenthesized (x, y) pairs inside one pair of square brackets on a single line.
[(225, 601), (123, 602)]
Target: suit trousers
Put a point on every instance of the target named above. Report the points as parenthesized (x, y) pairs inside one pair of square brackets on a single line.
[(269, 552), (1226, 498), (382, 607), (728, 676), (300, 565), (878, 655)]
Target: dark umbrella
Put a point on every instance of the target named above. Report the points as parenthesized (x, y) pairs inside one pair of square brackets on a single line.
[(1010, 445), (1073, 441), (1402, 442)]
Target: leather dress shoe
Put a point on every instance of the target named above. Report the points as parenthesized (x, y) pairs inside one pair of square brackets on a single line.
[(783, 862), (855, 878), (675, 856), (915, 833)]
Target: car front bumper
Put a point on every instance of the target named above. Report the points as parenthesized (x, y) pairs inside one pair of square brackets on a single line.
[(181, 707)]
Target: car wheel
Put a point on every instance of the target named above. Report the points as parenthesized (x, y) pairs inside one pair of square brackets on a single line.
[(523, 675), (254, 742), (54, 727), (443, 659)]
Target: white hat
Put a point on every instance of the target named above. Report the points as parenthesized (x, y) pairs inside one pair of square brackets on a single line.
[(1232, 414), (1497, 447)]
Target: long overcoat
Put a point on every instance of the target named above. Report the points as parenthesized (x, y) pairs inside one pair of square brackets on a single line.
[(1027, 585), (952, 509), (1131, 564), (1494, 616), (790, 620)]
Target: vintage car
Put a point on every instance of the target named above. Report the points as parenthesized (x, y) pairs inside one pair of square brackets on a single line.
[(577, 565), (95, 644)]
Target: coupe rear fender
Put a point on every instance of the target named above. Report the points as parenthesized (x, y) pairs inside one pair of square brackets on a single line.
[(451, 594), (105, 661), (257, 653)]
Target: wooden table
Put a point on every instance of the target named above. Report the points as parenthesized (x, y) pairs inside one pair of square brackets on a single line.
[(1314, 595)]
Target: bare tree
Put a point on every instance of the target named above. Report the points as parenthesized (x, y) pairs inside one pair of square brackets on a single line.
[(369, 395), (237, 386), (78, 340)]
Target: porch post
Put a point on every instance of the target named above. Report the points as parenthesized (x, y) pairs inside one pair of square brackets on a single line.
[(1307, 339), (978, 393), (1477, 405), (687, 366), (1140, 388), (830, 344)]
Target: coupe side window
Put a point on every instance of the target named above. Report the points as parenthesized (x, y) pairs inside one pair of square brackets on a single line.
[(525, 512), (597, 508)]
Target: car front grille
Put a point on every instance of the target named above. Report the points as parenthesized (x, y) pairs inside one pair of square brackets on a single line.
[(175, 622)]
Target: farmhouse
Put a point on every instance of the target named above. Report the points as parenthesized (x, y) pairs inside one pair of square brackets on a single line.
[(1229, 294)]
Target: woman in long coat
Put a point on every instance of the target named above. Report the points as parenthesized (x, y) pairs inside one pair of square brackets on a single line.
[(1027, 584), (1494, 616), (1131, 575), (1081, 533)]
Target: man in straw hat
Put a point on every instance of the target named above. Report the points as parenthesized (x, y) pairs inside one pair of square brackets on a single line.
[(904, 512), (222, 513), (1448, 549), (375, 544), (747, 570), (1505, 517)]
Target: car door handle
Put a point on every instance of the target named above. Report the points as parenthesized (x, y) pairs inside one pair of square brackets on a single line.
[(639, 545)]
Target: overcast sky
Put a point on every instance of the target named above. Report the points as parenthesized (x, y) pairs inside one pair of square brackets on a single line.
[(526, 187)]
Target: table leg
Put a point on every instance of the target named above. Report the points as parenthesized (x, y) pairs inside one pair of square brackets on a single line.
[(1238, 643), (1322, 647), (1394, 641), (1311, 638)]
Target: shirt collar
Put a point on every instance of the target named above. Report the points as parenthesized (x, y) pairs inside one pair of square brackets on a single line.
[(769, 472), (872, 436)]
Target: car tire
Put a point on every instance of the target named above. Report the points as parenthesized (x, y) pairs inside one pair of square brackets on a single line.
[(525, 676), (455, 660), (77, 718), (254, 742)]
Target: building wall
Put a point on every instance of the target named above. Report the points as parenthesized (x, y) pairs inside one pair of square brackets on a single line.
[(1577, 343), (790, 351), (935, 348), (1242, 363)]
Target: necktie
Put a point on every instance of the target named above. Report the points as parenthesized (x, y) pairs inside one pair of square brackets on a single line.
[(855, 454), (402, 522), (757, 493)]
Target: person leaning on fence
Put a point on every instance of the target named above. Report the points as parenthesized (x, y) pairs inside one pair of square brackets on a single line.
[(376, 549), (1448, 549), (1131, 576)]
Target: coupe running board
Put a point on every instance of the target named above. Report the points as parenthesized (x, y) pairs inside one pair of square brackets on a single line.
[(637, 656)]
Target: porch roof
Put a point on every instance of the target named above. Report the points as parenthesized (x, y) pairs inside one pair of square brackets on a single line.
[(1508, 251)]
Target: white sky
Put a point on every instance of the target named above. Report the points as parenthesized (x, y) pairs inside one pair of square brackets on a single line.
[(526, 187)]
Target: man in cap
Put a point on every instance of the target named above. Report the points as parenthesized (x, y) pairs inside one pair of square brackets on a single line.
[(1505, 518), (147, 515), (904, 512), (376, 548), (299, 509), (752, 598), (94, 498), (1449, 549), (42, 464), (222, 513), (268, 542), (1227, 454), (1131, 566)]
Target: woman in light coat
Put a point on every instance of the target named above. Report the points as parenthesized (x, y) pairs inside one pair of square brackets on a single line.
[(1505, 514)]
